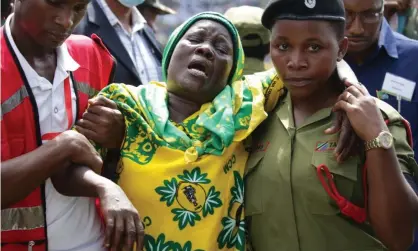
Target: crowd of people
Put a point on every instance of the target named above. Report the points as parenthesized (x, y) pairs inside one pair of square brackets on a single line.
[(110, 141)]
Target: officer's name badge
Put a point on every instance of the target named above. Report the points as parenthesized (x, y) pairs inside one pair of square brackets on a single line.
[(325, 146)]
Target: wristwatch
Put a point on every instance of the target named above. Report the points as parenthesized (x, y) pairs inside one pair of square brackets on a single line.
[(383, 140)]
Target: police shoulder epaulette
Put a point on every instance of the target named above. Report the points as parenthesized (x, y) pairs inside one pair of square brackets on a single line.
[(388, 111)]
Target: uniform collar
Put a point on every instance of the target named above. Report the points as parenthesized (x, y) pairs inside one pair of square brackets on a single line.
[(65, 62), (387, 40), (285, 114)]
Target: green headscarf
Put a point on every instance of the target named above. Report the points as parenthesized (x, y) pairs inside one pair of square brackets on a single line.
[(238, 64)]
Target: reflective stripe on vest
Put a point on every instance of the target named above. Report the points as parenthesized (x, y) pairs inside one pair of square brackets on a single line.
[(86, 89), (22, 218), (18, 97), (13, 101)]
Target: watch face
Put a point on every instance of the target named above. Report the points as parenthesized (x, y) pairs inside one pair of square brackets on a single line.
[(386, 140)]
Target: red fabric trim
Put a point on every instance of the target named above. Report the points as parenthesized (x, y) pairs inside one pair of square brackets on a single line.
[(408, 131), (99, 211), (22, 235), (347, 208)]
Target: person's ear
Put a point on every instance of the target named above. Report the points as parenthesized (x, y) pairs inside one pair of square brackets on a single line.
[(343, 47)]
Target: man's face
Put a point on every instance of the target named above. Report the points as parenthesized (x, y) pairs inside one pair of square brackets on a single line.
[(364, 19), (49, 22)]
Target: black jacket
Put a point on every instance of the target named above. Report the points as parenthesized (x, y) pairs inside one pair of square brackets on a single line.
[(95, 21)]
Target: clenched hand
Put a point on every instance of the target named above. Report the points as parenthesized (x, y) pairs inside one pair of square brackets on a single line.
[(103, 123)]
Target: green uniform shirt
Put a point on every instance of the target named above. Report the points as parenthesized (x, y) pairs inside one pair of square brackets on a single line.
[(286, 206)]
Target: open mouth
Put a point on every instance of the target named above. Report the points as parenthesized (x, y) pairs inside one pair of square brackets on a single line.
[(198, 68)]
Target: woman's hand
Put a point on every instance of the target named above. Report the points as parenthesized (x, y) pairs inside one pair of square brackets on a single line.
[(362, 111), (103, 123), (123, 223)]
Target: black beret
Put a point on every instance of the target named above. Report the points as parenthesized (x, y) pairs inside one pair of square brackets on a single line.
[(328, 10)]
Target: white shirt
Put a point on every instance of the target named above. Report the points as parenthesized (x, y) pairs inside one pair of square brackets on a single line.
[(146, 64), (72, 222)]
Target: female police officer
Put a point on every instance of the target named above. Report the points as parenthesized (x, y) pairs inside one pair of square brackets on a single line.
[(289, 203)]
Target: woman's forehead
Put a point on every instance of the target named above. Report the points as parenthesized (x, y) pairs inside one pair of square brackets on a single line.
[(210, 27)]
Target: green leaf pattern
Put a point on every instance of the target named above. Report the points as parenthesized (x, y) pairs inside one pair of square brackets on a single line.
[(168, 191), (237, 191), (185, 217), (195, 176), (150, 244), (231, 234), (212, 201), (233, 231), (187, 247)]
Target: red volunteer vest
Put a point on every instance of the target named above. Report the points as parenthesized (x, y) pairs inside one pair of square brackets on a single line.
[(23, 225)]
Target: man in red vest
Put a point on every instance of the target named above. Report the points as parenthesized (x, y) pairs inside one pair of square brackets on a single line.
[(48, 77)]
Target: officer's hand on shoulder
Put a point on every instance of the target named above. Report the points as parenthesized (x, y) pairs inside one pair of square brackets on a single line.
[(123, 224), (103, 123), (79, 150), (362, 111)]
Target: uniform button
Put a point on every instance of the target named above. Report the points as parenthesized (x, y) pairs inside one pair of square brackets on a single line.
[(56, 110), (142, 72)]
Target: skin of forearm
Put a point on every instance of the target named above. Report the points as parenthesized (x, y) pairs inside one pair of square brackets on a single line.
[(392, 202), (79, 181), (21, 175)]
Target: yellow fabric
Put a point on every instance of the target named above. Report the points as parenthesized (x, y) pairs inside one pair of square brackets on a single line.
[(211, 218), (188, 192)]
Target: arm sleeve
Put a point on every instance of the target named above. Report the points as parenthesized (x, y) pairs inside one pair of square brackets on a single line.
[(403, 150)]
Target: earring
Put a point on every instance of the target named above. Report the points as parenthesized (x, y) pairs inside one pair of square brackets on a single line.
[(338, 59)]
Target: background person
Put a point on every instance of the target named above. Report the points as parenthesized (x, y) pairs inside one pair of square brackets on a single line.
[(254, 36), (151, 9), (128, 37)]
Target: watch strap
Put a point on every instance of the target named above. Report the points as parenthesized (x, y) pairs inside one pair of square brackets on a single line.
[(371, 144)]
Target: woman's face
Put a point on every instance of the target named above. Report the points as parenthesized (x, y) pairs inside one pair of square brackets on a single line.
[(201, 62), (305, 53)]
